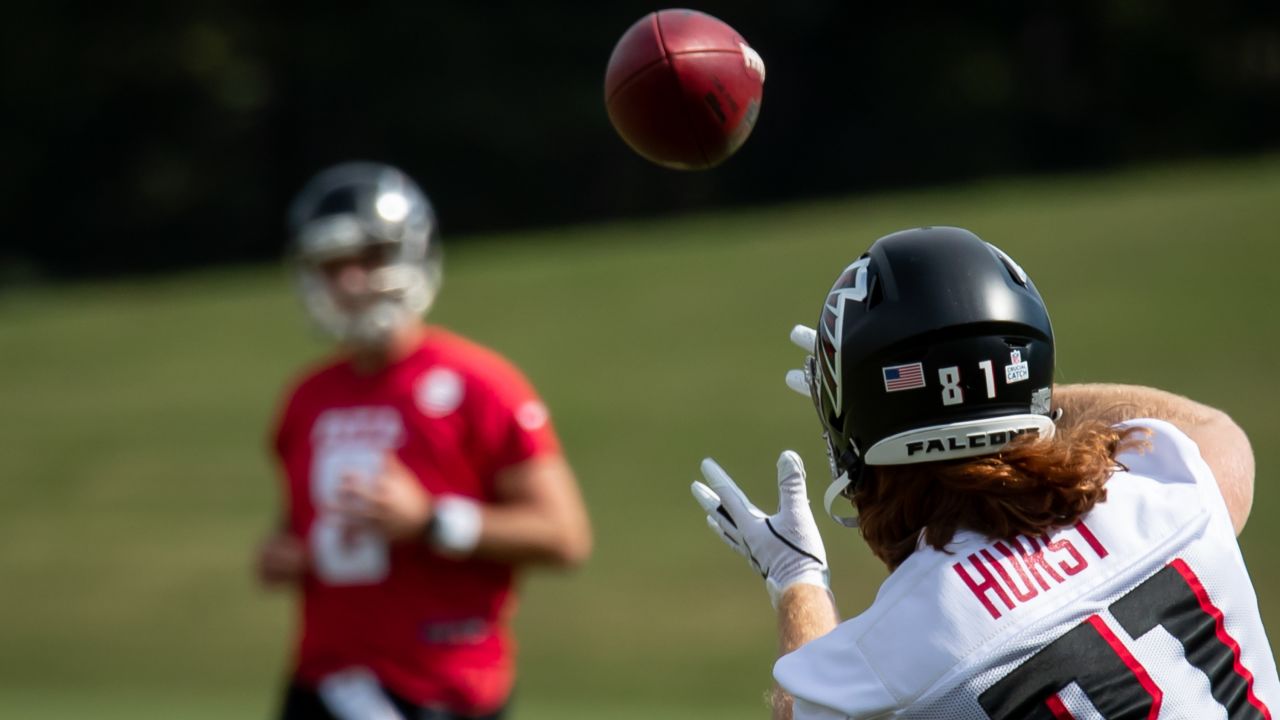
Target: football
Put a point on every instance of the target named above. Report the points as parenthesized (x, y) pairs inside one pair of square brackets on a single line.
[(683, 89)]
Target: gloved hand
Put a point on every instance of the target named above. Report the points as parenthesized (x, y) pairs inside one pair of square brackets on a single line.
[(785, 548), (801, 380)]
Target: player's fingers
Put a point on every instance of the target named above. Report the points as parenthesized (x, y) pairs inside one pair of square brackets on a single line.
[(731, 497), (282, 564), (392, 464), (797, 381), (378, 491), (337, 504), (348, 509), (707, 499), (268, 574), (357, 487), (804, 337), (380, 496), (350, 494), (356, 509), (282, 548), (725, 522), (363, 522), (728, 535), (791, 486), (710, 503), (376, 509), (277, 565), (266, 563), (718, 528), (350, 514)]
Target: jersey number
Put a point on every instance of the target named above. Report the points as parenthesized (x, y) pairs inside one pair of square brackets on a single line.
[(1091, 657), (344, 556)]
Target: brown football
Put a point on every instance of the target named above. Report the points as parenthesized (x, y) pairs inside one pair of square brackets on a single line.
[(683, 89)]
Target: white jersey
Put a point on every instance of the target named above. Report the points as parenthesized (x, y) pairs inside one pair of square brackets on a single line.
[(1144, 609)]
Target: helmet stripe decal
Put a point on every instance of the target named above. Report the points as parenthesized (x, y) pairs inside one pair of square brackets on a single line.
[(851, 286)]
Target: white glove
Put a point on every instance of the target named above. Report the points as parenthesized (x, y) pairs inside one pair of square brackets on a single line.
[(801, 380), (785, 548)]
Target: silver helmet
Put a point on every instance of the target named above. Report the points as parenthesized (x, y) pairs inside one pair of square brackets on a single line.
[(349, 211)]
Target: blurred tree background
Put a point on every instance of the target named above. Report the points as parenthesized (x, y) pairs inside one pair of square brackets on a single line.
[(155, 136)]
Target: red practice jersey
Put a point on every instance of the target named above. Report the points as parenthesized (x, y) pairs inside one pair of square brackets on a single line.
[(434, 630)]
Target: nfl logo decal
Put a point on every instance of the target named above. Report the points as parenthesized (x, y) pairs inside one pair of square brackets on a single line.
[(903, 377)]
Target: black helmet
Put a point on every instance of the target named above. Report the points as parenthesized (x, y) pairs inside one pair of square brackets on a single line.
[(932, 345)]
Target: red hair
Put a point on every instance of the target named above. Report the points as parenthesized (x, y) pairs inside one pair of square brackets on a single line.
[(1029, 487)]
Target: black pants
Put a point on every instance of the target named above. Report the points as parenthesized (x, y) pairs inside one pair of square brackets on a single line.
[(302, 703)]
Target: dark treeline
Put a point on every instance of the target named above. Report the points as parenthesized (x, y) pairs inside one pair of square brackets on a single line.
[(174, 135)]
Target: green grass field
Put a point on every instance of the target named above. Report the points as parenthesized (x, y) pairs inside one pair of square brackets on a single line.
[(134, 481)]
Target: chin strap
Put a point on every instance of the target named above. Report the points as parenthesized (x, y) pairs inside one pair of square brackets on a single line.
[(801, 381), (834, 491)]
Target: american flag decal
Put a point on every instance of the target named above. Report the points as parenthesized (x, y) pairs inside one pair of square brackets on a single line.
[(903, 377)]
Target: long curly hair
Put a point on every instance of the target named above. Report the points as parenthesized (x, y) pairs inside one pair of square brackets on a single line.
[(1029, 487)]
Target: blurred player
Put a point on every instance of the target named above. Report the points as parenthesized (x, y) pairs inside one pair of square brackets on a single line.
[(421, 472), (1061, 552)]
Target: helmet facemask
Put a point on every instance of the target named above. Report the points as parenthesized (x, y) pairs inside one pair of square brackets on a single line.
[(365, 254), (845, 463)]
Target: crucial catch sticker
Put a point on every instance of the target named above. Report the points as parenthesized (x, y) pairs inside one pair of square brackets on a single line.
[(1017, 369)]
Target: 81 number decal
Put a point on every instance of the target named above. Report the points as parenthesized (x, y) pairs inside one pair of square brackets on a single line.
[(953, 394)]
